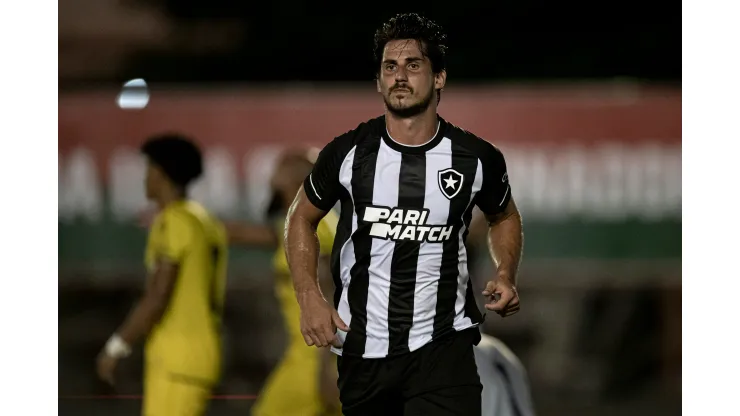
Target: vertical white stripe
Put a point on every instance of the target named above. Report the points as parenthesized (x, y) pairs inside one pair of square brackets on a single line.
[(461, 321), (385, 193), (430, 254), (347, 253)]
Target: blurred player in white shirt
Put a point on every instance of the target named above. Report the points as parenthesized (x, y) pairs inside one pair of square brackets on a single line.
[(506, 390), (505, 383)]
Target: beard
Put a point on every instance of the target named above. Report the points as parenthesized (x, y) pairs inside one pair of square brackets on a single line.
[(406, 111)]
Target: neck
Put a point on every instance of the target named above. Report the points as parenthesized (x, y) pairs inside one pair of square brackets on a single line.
[(169, 196), (415, 130)]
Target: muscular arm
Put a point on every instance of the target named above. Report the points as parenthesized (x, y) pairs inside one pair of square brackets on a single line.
[(320, 191), (150, 308), (302, 244), (505, 240)]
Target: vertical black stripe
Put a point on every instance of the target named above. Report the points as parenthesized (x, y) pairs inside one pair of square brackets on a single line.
[(471, 308), (344, 232), (411, 191), (363, 179), (467, 164)]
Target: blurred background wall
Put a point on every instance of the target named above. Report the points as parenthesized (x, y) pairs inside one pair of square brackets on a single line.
[(584, 101)]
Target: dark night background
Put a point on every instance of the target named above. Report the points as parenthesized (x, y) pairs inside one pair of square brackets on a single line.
[(499, 41)]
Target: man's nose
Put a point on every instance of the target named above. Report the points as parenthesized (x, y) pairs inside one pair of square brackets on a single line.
[(401, 74)]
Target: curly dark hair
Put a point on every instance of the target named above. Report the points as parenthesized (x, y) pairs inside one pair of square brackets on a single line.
[(177, 155), (432, 39)]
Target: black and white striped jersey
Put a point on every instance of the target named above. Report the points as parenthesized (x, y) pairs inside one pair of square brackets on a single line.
[(399, 259)]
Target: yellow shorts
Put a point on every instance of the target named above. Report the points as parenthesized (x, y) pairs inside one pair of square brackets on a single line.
[(292, 389), (169, 395)]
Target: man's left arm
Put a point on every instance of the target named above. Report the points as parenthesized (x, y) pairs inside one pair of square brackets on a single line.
[(173, 241), (505, 240), (505, 236), (150, 308)]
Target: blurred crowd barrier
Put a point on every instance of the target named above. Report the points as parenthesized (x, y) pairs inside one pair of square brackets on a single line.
[(595, 170)]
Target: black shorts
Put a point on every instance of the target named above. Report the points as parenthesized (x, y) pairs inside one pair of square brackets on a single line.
[(440, 378)]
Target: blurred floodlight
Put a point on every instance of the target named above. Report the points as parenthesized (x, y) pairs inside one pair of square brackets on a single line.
[(134, 95)]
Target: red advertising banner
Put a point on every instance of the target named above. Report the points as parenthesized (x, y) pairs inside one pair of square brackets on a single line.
[(596, 150)]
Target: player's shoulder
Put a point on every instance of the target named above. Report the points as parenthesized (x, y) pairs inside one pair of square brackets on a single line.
[(189, 215), (484, 149)]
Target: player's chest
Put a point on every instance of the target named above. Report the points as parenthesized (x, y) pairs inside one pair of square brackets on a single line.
[(434, 187), (419, 197)]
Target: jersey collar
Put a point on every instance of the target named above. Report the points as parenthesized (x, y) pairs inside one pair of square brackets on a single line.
[(422, 148)]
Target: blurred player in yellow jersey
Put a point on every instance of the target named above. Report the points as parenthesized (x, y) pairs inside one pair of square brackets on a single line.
[(180, 311), (304, 383)]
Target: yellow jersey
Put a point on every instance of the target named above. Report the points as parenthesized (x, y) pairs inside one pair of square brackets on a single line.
[(187, 340), (284, 292), (297, 374)]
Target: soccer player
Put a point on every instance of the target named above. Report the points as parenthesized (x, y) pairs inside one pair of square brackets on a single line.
[(180, 311), (304, 383), (404, 317), (505, 384)]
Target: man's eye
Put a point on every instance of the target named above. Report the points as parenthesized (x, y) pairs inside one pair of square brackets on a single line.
[(414, 66), (390, 67)]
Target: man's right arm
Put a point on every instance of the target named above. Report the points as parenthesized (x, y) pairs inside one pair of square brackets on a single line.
[(302, 244), (319, 320), (319, 193)]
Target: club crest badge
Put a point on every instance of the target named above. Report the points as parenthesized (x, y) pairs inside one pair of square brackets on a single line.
[(450, 182)]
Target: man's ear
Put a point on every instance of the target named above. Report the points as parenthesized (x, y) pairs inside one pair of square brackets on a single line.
[(440, 79), (377, 84)]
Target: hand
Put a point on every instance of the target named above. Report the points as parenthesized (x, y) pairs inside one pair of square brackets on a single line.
[(319, 321), (106, 367), (508, 298)]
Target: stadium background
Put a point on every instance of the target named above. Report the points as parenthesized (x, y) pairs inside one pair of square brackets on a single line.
[(585, 103)]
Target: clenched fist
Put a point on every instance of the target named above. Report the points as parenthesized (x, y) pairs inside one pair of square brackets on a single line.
[(508, 298)]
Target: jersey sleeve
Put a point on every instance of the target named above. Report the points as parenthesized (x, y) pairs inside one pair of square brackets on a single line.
[(176, 235), (326, 232), (495, 191), (322, 184)]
